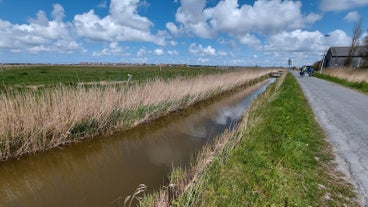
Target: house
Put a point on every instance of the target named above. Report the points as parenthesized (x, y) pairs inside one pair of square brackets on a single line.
[(336, 57)]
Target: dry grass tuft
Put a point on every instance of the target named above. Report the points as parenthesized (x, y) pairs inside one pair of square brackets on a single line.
[(33, 121), (348, 74)]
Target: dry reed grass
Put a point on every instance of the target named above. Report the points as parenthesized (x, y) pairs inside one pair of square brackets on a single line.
[(31, 121), (349, 74)]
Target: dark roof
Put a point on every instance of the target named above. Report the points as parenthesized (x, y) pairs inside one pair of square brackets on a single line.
[(344, 51)]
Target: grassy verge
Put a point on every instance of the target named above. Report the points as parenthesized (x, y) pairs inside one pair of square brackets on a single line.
[(356, 79), (277, 157)]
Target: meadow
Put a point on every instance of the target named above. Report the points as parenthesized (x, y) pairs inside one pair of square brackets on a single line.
[(50, 75), (36, 120)]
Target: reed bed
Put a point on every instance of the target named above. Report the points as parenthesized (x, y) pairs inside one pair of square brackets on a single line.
[(348, 74), (36, 121)]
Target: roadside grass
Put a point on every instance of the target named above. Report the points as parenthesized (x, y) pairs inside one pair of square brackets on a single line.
[(46, 76), (32, 121), (278, 156), (353, 78)]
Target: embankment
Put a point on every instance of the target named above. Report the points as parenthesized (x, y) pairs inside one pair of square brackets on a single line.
[(278, 156)]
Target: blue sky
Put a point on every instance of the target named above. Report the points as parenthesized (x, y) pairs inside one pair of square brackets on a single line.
[(212, 32)]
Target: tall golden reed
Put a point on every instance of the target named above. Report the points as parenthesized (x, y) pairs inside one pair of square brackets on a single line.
[(31, 121), (349, 74)]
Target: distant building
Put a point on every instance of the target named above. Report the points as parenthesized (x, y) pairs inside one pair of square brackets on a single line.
[(336, 57)]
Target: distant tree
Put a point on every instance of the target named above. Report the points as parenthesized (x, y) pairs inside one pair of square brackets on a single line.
[(357, 32), (317, 65), (365, 51)]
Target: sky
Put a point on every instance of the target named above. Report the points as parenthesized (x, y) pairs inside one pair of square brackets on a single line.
[(206, 32)]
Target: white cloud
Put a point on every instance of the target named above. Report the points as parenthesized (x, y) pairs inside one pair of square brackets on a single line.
[(190, 15), (296, 41), (159, 52), (173, 43), (202, 51), (203, 60), (58, 12), (264, 17), (303, 47), (103, 4), (352, 16), (334, 5), (122, 24), (141, 52), (41, 34), (337, 38), (222, 53), (174, 30), (306, 42), (250, 40), (113, 49), (173, 52)]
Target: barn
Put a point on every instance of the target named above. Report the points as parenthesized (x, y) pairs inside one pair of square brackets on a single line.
[(336, 57)]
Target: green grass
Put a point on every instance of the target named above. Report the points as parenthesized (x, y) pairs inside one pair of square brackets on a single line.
[(361, 86), (69, 75), (282, 160)]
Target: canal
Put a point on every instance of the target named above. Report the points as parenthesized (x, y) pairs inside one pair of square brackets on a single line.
[(98, 171)]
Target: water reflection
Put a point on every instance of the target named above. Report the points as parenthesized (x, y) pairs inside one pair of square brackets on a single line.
[(96, 172)]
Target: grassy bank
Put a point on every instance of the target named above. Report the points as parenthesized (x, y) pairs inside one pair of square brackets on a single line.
[(46, 76), (353, 78), (278, 156), (34, 121)]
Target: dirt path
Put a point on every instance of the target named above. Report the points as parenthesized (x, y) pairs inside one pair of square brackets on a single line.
[(343, 114)]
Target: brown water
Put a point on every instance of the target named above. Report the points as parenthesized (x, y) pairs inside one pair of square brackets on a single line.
[(97, 172)]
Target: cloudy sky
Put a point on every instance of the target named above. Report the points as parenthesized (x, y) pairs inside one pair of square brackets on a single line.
[(210, 32)]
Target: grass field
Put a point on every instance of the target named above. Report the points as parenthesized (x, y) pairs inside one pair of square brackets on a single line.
[(44, 76), (278, 156)]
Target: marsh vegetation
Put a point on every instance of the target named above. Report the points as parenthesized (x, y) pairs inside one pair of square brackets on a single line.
[(34, 120)]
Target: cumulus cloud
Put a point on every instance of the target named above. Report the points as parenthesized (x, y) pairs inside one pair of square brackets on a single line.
[(172, 52), (250, 40), (296, 41), (352, 16), (333, 5), (58, 12), (41, 34), (305, 46), (141, 52), (203, 60), (264, 17), (159, 52), (202, 51), (337, 38), (173, 29), (122, 24), (103, 4), (113, 49), (173, 43), (191, 16)]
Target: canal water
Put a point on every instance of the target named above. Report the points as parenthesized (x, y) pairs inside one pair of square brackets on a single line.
[(99, 171)]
